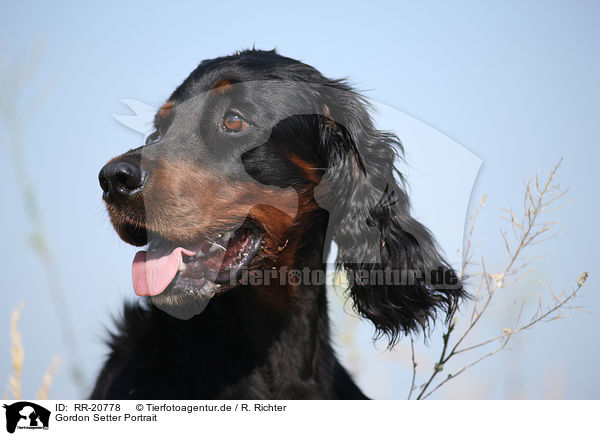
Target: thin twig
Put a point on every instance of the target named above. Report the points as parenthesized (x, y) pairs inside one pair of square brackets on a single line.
[(527, 231), (508, 333), (414, 367)]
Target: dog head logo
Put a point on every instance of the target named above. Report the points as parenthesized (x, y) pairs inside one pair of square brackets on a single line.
[(26, 415)]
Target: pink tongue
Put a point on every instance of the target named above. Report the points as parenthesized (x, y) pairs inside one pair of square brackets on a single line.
[(153, 271)]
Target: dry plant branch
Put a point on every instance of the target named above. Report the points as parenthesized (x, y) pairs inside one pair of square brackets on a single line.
[(414, 367), (47, 380), (541, 197), (12, 82), (17, 354), (17, 357)]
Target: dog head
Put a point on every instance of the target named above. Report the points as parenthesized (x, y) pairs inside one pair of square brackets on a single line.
[(259, 162)]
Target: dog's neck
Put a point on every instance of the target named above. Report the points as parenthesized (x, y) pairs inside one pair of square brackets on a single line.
[(259, 321)]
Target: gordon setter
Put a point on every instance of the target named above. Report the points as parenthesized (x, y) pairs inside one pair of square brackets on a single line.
[(257, 165)]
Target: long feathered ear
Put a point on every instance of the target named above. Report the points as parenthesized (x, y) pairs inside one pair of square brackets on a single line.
[(398, 279)]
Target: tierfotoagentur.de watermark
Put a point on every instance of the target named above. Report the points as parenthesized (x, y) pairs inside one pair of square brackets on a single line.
[(285, 276)]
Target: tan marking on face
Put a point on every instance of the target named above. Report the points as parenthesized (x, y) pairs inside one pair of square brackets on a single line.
[(221, 86), (165, 109), (184, 202), (310, 171)]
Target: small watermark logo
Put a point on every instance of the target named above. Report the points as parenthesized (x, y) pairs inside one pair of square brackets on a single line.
[(24, 415)]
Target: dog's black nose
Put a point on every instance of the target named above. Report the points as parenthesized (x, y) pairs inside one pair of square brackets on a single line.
[(120, 180)]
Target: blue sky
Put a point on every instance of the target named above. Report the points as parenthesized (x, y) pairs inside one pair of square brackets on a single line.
[(514, 83)]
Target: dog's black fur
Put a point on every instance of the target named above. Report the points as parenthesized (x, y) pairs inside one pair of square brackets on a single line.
[(316, 136)]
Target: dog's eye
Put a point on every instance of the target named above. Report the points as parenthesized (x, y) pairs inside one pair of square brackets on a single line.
[(234, 123)]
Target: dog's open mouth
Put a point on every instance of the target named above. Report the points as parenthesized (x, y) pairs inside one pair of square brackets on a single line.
[(176, 276)]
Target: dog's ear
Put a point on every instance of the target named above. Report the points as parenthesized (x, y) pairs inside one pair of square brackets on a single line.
[(397, 277)]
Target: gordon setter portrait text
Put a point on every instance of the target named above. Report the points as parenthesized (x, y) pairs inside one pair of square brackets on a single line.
[(257, 166)]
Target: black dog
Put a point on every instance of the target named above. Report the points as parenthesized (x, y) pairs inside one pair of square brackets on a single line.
[(256, 165)]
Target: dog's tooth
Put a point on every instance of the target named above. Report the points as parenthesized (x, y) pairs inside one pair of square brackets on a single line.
[(181, 265), (215, 248)]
